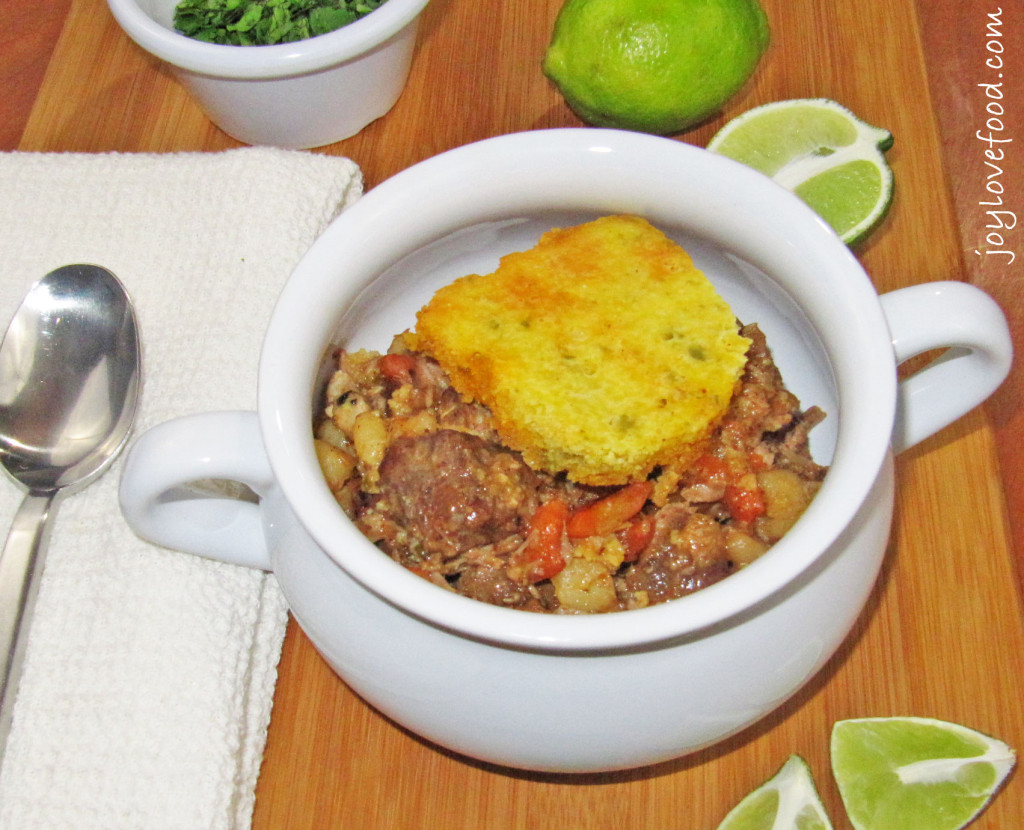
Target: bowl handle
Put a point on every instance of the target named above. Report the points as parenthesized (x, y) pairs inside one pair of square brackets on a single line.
[(180, 487), (970, 326)]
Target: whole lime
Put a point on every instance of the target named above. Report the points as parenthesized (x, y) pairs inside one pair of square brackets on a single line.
[(656, 66)]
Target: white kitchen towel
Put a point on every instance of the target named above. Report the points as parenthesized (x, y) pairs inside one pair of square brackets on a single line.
[(149, 678)]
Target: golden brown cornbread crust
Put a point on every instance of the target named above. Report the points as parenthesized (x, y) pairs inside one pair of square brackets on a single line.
[(602, 351)]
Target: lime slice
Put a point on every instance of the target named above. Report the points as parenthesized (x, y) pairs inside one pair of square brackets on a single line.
[(788, 801), (823, 153), (921, 773)]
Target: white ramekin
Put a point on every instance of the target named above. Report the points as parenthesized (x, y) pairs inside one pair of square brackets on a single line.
[(294, 95)]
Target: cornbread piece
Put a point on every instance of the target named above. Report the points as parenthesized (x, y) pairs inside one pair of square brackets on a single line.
[(602, 352)]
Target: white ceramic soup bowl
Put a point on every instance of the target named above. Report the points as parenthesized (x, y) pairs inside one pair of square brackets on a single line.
[(294, 95), (567, 693)]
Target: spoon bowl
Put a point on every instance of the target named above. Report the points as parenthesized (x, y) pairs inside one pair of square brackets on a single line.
[(69, 388)]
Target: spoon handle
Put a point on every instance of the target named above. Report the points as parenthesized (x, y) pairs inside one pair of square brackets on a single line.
[(21, 565)]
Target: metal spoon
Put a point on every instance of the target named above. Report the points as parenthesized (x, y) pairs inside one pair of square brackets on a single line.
[(69, 385)]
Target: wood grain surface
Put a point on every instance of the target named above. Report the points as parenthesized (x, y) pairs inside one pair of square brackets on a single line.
[(942, 635)]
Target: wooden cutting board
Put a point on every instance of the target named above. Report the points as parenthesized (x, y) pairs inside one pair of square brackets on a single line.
[(942, 635)]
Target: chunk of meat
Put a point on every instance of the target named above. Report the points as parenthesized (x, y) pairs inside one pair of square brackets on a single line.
[(762, 404), (492, 585), (686, 553), (453, 491)]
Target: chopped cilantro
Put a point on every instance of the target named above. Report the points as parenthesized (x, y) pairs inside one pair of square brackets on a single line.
[(265, 22)]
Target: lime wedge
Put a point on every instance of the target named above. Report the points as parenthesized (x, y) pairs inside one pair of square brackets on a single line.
[(921, 773), (823, 153), (788, 801)]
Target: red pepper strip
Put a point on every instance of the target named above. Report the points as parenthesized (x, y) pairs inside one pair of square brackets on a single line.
[(608, 514), (712, 470), (744, 505), (636, 537), (397, 367), (542, 555)]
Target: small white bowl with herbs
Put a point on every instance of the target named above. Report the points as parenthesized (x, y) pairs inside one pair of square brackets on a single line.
[(284, 73)]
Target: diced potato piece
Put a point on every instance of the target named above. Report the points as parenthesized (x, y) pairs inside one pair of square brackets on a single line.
[(606, 550), (336, 464), (585, 586), (786, 497), (370, 437), (743, 548), (784, 492), (347, 410), (328, 432)]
